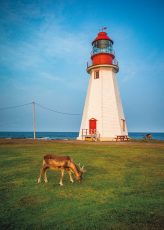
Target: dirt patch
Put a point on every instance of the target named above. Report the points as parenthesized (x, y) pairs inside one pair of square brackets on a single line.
[(28, 201)]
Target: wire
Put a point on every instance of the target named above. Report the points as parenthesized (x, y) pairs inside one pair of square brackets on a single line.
[(14, 107), (55, 111), (41, 106)]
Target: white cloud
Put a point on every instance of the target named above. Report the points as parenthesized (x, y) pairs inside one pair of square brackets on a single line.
[(50, 77), (50, 43)]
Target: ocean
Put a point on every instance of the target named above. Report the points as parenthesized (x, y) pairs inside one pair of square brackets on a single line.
[(69, 135)]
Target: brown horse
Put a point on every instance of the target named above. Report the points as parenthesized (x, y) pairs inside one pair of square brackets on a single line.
[(61, 163)]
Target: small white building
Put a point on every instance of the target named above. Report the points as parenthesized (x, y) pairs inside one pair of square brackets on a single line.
[(103, 116)]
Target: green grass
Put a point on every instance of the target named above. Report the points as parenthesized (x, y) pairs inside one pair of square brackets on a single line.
[(122, 188)]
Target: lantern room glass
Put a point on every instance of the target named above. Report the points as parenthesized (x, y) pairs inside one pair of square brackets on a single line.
[(102, 46)]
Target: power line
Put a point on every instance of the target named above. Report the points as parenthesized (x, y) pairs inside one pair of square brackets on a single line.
[(14, 107), (41, 106), (34, 112), (55, 111)]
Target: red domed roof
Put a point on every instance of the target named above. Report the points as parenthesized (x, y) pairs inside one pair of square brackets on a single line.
[(102, 36)]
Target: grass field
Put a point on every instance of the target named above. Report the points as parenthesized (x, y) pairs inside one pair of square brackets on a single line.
[(122, 188)]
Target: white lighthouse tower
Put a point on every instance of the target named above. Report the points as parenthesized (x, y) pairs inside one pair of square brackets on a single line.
[(103, 116)]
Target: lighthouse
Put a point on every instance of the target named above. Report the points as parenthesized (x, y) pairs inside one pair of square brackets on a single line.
[(103, 117)]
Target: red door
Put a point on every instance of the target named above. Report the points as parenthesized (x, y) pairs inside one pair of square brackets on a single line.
[(92, 126)]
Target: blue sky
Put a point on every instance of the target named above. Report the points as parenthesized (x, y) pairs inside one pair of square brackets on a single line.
[(44, 47)]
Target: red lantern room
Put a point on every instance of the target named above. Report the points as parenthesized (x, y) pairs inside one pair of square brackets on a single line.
[(102, 51)]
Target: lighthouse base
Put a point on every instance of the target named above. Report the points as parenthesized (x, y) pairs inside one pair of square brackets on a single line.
[(107, 139), (103, 139)]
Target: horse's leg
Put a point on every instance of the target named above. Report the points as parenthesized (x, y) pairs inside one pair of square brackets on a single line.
[(45, 174), (40, 176), (61, 178), (70, 176)]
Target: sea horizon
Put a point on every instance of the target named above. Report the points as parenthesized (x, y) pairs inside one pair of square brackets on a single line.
[(68, 135), (77, 131)]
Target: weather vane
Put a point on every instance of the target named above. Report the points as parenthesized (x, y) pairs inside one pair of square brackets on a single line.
[(103, 28)]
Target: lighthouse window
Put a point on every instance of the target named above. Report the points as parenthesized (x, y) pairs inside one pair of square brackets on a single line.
[(96, 74), (123, 124)]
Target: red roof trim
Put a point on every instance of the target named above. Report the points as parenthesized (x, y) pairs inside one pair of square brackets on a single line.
[(107, 54), (102, 36)]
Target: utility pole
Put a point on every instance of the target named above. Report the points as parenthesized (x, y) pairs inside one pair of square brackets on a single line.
[(34, 119)]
